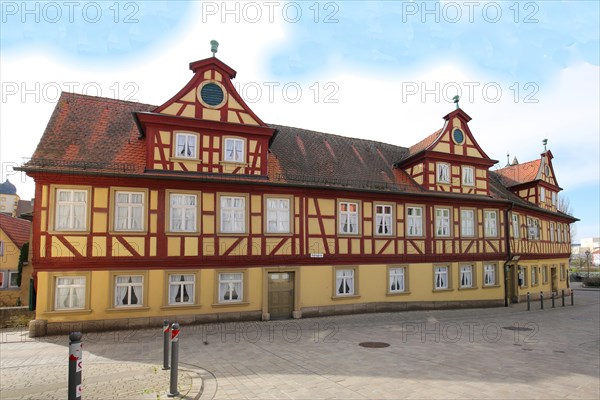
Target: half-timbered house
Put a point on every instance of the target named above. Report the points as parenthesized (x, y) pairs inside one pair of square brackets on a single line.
[(197, 210)]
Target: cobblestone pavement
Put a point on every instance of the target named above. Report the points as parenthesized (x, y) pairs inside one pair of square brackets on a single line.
[(499, 353)]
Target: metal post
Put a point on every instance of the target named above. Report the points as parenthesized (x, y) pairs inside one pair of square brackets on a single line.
[(552, 299), (542, 300), (563, 297), (528, 301), (75, 354), (572, 297), (166, 337), (174, 360)]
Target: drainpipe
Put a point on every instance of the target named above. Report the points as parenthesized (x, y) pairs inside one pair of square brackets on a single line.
[(507, 224)]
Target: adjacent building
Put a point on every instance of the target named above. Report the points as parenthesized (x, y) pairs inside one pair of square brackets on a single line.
[(199, 211), (14, 282)]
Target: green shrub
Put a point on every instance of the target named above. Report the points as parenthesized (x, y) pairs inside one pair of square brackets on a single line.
[(592, 281)]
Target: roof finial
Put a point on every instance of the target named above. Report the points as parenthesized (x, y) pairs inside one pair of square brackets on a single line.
[(507, 159), (214, 45), (545, 142), (456, 99)]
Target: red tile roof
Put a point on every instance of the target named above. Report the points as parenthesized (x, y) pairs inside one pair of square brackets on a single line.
[(424, 144), (16, 229), (521, 173)]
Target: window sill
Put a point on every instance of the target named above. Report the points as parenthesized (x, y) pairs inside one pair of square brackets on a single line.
[(275, 234), (442, 290), (180, 307), (182, 233), (69, 312), (357, 234), (127, 309), (468, 288), (409, 237), (230, 234), (490, 286), (194, 159), (225, 162), (232, 304), (392, 294), (69, 232), (343, 297), (129, 233)]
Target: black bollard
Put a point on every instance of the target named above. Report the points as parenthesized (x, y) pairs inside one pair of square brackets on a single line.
[(541, 300), (75, 364), (552, 299), (572, 298), (563, 297), (528, 301), (166, 337), (174, 360)]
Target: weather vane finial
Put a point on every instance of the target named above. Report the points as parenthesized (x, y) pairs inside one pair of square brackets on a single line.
[(214, 45), (545, 142), (456, 99)]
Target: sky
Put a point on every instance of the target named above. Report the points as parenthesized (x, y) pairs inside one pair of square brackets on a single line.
[(380, 70)]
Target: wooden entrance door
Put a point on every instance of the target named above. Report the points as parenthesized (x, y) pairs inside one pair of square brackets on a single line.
[(511, 283), (553, 280), (281, 294)]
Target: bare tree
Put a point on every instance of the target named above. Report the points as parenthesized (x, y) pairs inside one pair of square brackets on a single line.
[(564, 205)]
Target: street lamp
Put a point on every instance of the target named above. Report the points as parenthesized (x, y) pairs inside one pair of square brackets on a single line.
[(587, 259)]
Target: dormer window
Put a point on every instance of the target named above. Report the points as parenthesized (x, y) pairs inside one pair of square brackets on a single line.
[(234, 150), (443, 173), (186, 145), (468, 176)]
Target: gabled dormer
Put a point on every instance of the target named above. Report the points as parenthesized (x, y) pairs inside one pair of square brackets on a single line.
[(449, 160), (533, 181), (206, 127)]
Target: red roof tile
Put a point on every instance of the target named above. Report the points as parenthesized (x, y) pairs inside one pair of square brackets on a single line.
[(424, 144), (16, 229), (520, 173)]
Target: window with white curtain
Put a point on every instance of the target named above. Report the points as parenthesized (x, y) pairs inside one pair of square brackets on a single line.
[(468, 176), (489, 274), (231, 286), (467, 223), (234, 150), (233, 214), (534, 273), (348, 217), (466, 276), (491, 223), (559, 231), (442, 222), (383, 220), (344, 282), (552, 231), (278, 215), (441, 277), (69, 293), (515, 225), (182, 288), (414, 221), (397, 280), (129, 211), (129, 290), (443, 173), (71, 210), (186, 145), (183, 212)]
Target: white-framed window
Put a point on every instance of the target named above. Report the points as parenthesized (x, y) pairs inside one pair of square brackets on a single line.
[(182, 289), (13, 279), (467, 223), (414, 221), (466, 276), (552, 231), (440, 278), (397, 280), (442, 173), (348, 217), (233, 214), (563, 272), (234, 150), (344, 282), (231, 287), (533, 229), (2, 279), (491, 223), (559, 232), (468, 176), (71, 210), (69, 293), (129, 290), (534, 275), (187, 145), (515, 225), (544, 274), (129, 211), (542, 194), (1, 248), (383, 220), (183, 209), (523, 276), (278, 215), (554, 198), (442, 222), (489, 274)]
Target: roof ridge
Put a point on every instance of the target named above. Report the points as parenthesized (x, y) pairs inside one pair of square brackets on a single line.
[(103, 99)]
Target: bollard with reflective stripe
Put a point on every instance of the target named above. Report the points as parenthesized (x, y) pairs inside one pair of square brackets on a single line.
[(528, 301), (75, 365), (542, 300), (174, 360), (552, 299), (563, 297), (166, 337)]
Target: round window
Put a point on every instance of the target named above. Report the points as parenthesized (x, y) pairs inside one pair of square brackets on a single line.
[(459, 136), (212, 94)]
